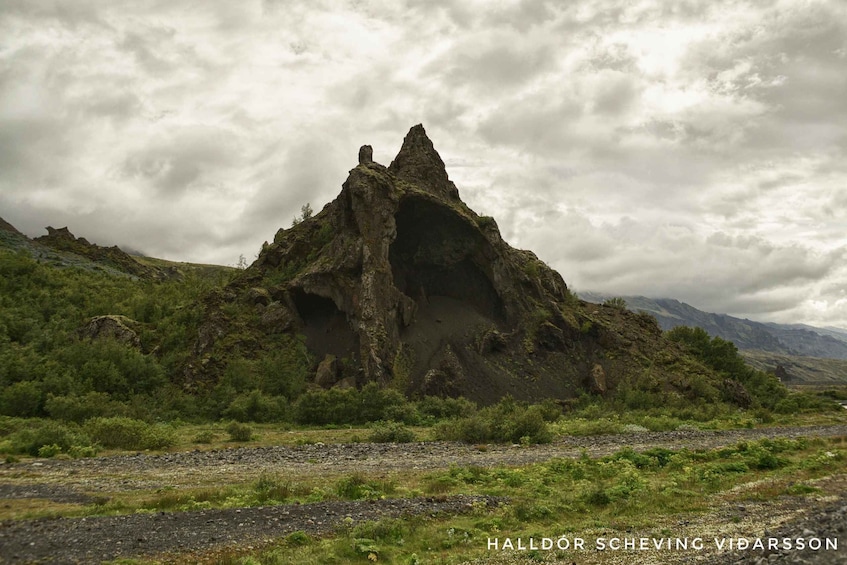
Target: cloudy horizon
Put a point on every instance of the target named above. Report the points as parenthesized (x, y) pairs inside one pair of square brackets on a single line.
[(684, 149)]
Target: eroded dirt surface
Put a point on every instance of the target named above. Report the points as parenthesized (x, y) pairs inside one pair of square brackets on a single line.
[(94, 539)]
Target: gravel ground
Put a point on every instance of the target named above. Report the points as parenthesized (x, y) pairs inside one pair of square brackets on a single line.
[(190, 468), (90, 540), (828, 522)]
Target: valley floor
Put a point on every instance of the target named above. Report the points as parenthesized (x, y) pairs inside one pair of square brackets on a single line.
[(193, 534)]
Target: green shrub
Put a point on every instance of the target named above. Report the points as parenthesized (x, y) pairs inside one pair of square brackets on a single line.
[(472, 429), (127, 433), (722, 356), (239, 432), (78, 451), (526, 426), (207, 436), (391, 432), (616, 302), (348, 406), (440, 408), (298, 538), (321, 407), (256, 407), (356, 487), (504, 422), (376, 401), (48, 451), (406, 413), (31, 439), (272, 488), (22, 399), (73, 408)]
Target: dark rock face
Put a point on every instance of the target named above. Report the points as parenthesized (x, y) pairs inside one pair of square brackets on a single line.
[(418, 163), (406, 284)]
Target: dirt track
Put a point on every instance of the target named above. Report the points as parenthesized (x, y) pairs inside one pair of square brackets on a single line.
[(91, 540)]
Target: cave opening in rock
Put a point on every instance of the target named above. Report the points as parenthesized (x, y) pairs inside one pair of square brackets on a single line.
[(436, 253), (325, 326)]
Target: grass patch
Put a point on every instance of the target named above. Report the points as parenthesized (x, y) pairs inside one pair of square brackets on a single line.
[(619, 494)]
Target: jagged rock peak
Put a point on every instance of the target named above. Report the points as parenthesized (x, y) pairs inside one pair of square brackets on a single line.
[(61, 232), (418, 162), (366, 154)]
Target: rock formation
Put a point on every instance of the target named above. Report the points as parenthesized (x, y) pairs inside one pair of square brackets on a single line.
[(119, 328), (400, 280), (62, 239)]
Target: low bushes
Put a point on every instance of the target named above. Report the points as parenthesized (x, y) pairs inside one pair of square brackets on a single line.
[(43, 438), (506, 421), (391, 432), (239, 432), (127, 433), (347, 406)]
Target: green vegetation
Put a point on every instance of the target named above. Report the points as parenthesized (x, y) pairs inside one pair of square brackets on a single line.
[(46, 369), (62, 393), (507, 421), (305, 213), (763, 389), (391, 432), (627, 493), (616, 302)]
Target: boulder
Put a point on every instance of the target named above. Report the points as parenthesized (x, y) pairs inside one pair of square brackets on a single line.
[(597, 380), (327, 372), (119, 328), (259, 296)]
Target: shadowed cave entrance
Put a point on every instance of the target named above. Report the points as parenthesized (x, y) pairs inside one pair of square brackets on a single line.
[(325, 326), (434, 255)]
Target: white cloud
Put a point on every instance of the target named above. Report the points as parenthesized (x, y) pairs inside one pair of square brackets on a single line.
[(689, 149)]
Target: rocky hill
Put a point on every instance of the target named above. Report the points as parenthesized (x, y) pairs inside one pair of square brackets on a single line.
[(62, 239), (398, 281), (61, 248)]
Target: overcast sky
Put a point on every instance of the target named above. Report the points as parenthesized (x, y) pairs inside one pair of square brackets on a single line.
[(684, 149)]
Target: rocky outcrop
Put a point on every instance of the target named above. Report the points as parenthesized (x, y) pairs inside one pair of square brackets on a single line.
[(119, 328), (60, 233), (409, 286), (62, 239)]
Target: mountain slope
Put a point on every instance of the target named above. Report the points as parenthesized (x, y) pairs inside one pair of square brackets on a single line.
[(796, 369), (783, 339), (62, 249)]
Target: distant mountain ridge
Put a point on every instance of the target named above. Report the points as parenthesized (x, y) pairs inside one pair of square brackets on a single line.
[(784, 339)]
